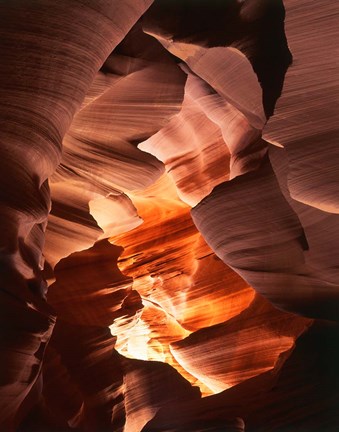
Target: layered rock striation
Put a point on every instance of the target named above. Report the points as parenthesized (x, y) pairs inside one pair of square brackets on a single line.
[(169, 246)]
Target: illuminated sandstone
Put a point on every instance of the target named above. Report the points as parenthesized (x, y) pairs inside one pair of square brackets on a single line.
[(169, 243)]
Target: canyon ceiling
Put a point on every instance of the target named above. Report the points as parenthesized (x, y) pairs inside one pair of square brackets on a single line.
[(169, 183)]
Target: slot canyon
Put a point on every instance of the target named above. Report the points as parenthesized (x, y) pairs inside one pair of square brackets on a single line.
[(169, 248)]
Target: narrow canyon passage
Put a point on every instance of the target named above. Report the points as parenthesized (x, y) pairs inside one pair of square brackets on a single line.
[(169, 214)]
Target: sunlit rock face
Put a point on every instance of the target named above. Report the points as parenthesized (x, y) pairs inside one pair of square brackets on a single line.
[(169, 251)]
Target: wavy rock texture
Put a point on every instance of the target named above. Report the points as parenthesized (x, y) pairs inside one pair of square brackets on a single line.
[(169, 249), (270, 249), (308, 106), (50, 53), (299, 394)]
